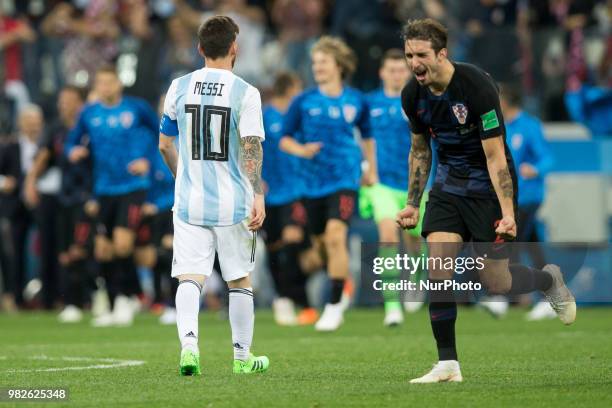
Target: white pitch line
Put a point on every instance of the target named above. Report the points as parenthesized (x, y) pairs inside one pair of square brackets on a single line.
[(113, 363)]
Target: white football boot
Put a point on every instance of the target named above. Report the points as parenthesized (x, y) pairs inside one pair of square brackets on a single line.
[(496, 305), (123, 312), (442, 371), (393, 317), (284, 312), (560, 297), (541, 311), (168, 317), (70, 314), (332, 317)]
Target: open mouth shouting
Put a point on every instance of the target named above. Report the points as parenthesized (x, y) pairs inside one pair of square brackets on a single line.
[(420, 73)]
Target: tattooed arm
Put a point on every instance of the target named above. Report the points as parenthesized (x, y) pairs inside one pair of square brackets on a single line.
[(500, 174), (419, 166), (252, 161)]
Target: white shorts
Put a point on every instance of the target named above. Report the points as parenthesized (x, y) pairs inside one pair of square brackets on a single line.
[(195, 246)]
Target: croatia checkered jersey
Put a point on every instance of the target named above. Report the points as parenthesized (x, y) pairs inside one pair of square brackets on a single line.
[(210, 110), (466, 113)]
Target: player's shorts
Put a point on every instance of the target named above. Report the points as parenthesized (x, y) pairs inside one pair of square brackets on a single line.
[(195, 246), (74, 227), (153, 228), (384, 202), (339, 206), (475, 219), (280, 216), (120, 211)]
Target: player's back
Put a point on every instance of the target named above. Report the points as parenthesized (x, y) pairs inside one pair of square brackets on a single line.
[(214, 108)]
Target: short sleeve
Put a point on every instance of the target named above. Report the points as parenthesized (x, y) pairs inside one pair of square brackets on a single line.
[(292, 121), (168, 124), (363, 122), (484, 104), (251, 118), (170, 102), (409, 104), (46, 140), (78, 131)]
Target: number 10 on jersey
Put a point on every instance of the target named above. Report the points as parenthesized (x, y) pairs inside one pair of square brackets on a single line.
[(214, 125)]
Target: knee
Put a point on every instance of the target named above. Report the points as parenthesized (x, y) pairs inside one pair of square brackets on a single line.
[(335, 239), (167, 241), (146, 257), (293, 234), (440, 274), (103, 249), (63, 259), (498, 287), (123, 247), (77, 253), (244, 282), (196, 278), (387, 231)]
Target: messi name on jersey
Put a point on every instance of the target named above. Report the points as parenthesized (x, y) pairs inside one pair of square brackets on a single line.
[(208, 88)]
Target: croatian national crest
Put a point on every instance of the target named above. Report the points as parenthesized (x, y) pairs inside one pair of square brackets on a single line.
[(460, 112), (126, 118), (349, 112)]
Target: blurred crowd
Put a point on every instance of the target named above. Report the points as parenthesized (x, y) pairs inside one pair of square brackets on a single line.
[(550, 47)]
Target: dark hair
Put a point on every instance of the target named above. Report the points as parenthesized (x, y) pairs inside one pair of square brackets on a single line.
[(80, 92), (427, 30), (392, 54), (512, 94), (283, 81), (107, 69), (216, 35)]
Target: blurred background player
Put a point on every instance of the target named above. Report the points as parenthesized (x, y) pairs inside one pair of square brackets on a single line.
[(16, 158), (121, 136), (389, 128), (285, 214), (319, 126), (72, 227), (219, 194), (154, 238)]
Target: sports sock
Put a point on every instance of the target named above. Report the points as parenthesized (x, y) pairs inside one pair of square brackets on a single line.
[(162, 269), (173, 289), (187, 309), (130, 284), (274, 265), (76, 276), (242, 320), (158, 272), (111, 276), (443, 314), (526, 279), (391, 298), (294, 276), (337, 286)]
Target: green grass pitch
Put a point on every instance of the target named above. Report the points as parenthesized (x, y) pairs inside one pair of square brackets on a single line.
[(505, 362)]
